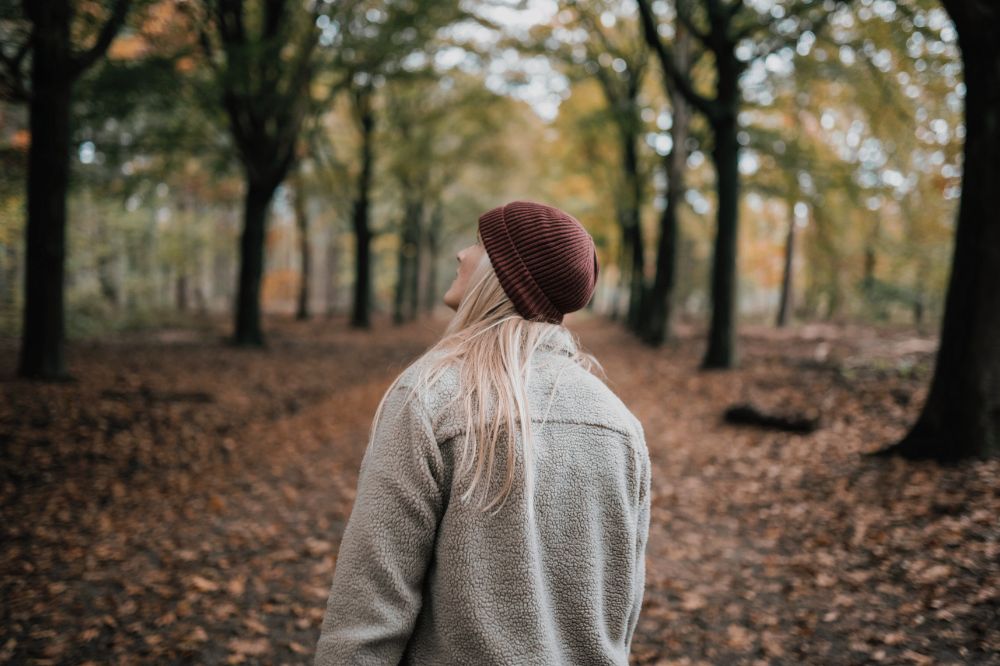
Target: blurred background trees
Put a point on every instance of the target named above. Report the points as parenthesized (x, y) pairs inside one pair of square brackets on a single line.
[(768, 161)]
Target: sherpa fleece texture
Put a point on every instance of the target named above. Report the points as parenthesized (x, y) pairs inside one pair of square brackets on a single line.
[(423, 578)]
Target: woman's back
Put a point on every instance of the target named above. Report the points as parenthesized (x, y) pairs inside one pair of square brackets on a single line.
[(555, 576), (555, 573)]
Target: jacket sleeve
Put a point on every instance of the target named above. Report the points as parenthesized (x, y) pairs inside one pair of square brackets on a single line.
[(388, 541), (642, 534)]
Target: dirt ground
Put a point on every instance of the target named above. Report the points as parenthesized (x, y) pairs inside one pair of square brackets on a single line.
[(182, 501)]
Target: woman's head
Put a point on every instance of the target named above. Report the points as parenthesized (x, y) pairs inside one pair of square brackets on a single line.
[(502, 316), (545, 260)]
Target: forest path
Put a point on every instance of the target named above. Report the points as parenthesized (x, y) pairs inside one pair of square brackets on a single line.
[(183, 501)]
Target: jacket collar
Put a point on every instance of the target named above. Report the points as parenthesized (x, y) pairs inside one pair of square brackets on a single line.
[(560, 342)]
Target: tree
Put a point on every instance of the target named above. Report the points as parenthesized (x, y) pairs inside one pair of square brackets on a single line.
[(362, 97), (369, 40), (262, 56), (305, 247), (438, 122), (961, 416), (56, 63), (658, 312), (720, 28), (617, 60), (413, 120)]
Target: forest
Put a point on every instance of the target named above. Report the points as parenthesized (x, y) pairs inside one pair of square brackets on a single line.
[(226, 225)]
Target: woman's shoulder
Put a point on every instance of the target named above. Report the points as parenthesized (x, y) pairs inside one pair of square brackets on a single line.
[(443, 384), (589, 399)]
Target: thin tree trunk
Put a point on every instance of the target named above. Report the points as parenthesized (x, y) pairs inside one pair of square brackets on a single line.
[(402, 270), (659, 312), (624, 264), (182, 291), (659, 317), (408, 266), (361, 315), (433, 250), (413, 286), (961, 417), (633, 221), (305, 250), (258, 200), (331, 275), (830, 286), (784, 309)]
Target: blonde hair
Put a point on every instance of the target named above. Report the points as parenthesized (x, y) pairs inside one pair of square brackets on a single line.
[(492, 345)]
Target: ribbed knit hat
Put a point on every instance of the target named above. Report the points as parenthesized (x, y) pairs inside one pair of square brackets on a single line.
[(545, 260)]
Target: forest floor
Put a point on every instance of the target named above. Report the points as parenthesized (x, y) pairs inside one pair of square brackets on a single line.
[(182, 501)]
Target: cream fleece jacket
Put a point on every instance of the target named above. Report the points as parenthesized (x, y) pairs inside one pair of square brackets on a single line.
[(423, 578)]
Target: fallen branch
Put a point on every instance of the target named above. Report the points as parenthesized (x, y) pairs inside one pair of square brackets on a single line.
[(747, 414)]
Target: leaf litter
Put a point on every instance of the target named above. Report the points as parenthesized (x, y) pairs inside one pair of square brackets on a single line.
[(182, 501)]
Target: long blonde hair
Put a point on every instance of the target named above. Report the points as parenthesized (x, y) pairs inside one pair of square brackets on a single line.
[(492, 345)]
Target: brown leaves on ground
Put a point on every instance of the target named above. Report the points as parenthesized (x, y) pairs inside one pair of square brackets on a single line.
[(183, 501)]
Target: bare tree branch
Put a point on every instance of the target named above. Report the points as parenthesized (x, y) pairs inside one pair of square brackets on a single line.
[(680, 79), (12, 87), (111, 26)]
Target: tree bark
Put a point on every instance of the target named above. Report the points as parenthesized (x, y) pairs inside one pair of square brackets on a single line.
[(659, 306), (961, 416), (361, 314), (258, 199), (721, 113), (413, 290), (305, 251), (331, 275), (54, 68), (633, 224), (265, 86), (721, 352), (433, 250), (408, 264), (402, 272), (786, 305), (181, 291), (43, 331), (659, 314)]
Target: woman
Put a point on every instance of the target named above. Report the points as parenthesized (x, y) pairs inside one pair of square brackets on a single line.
[(503, 500)]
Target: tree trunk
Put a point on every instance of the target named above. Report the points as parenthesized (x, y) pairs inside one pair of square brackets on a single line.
[(721, 352), (784, 309), (408, 264), (433, 249), (659, 316), (331, 275), (872, 297), (633, 222), (43, 329), (402, 272), (361, 315), (961, 417), (258, 199), (413, 287), (181, 286), (302, 222), (106, 252)]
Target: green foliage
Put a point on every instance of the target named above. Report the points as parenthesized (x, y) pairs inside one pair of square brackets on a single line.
[(859, 121)]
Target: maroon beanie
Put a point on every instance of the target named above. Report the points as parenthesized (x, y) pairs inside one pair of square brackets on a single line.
[(545, 260)]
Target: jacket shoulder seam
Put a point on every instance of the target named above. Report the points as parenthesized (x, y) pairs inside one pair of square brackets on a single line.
[(449, 434)]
